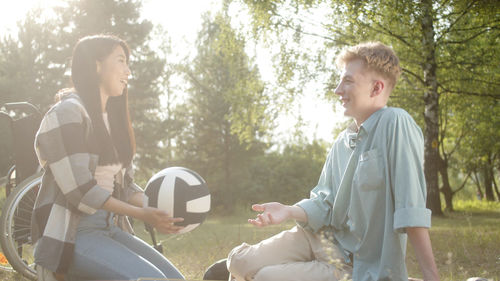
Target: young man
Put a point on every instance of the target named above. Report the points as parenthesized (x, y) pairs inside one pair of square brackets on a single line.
[(370, 196)]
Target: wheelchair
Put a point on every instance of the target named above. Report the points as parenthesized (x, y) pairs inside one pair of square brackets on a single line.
[(21, 189), (22, 184)]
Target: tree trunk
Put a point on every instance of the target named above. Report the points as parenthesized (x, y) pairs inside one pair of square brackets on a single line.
[(495, 185), (228, 197), (478, 186), (488, 184), (446, 189), (431, 113), (491, 177)]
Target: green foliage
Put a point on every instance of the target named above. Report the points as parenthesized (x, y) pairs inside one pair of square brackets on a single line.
[(286, 176), (474, 206), (463, 52), (227, 111), (31, 64), (34, 65), (228, 115), (223, 129)]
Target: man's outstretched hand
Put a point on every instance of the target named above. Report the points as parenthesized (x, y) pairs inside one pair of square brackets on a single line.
[(276, 213)]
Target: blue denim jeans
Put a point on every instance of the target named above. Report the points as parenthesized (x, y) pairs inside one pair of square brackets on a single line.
[(105, 252)]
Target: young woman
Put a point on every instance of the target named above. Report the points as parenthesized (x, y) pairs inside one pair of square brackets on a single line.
[(85, 145)]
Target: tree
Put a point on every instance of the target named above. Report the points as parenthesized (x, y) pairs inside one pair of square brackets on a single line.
[(122, 18), (27, 70), (31, 63), (228, 111), (481, 149), (286, 176), (431, 39), (35, 65)]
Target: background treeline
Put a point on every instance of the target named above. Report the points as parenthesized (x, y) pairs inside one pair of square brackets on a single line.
[(219, 120)]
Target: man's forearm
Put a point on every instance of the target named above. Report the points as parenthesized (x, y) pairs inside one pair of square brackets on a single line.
[(421, 242)]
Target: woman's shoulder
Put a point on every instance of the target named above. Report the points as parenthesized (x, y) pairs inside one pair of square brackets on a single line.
[(69, 107)]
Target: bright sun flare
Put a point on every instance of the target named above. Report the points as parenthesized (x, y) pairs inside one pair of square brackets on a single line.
[(15, 11)]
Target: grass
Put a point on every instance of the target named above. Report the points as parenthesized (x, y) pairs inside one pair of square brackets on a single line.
[(465, 243), (193, 252)]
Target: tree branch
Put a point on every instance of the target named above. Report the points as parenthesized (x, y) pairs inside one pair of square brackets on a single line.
[(465, 40), (287, 25), (457, 142), (471, 80), (445, 90), (491, 25), (388, 32), (464, 12), (462, 185), (397, 36), (420, 79)]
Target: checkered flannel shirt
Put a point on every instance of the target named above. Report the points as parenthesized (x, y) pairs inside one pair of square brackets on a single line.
[(68, 190)]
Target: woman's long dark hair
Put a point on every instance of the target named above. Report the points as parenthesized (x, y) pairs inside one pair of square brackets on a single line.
[(85, 80)]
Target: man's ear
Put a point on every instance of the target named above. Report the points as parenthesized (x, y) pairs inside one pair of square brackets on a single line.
[(378, 88)]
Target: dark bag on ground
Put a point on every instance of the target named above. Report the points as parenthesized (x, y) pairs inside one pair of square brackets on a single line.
[(217, 271)]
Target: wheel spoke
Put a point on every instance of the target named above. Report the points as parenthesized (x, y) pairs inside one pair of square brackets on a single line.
[(16, 227)]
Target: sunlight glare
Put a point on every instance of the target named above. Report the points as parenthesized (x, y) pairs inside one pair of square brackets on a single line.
[(182, 21), (16, 11)]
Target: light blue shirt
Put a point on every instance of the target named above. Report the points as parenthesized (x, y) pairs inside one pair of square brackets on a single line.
[(371, 188)]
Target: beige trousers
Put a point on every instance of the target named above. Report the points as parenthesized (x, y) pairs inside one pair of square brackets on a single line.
[(294, 254)]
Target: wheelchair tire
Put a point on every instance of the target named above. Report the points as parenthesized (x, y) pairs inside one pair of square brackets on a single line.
[(15, 227)]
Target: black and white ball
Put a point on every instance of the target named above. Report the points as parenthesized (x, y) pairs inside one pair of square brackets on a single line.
[(182, 193)]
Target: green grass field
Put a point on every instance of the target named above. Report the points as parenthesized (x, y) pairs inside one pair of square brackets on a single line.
[(465, 243)]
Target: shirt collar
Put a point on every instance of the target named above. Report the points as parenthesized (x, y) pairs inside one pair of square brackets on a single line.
[(352, 130), (372, 120), (351, 133)]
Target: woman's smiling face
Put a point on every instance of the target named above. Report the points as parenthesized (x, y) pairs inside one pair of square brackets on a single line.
[(113, 73)]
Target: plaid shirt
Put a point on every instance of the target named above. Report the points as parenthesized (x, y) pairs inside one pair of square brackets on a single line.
[(68, 190)]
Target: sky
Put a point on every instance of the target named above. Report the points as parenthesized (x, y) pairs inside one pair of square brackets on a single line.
[(182, 20)]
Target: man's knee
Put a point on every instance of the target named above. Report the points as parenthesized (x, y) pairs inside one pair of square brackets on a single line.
[(237, 260)]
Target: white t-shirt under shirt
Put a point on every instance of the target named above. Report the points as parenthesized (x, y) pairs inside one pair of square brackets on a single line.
[(105, 175)]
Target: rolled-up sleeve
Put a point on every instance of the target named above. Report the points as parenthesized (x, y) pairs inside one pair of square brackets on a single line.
[(318, 206), (407, 174), (62, 147)]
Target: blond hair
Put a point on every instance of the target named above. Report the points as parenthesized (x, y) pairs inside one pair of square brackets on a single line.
[(376, 56)]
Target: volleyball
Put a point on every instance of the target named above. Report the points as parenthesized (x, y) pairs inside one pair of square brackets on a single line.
[(182, 193)]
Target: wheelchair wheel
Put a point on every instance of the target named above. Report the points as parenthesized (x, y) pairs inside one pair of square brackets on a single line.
[(15, 227)]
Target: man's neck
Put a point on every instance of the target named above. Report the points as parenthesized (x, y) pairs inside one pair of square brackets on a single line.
[(359, 120)]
